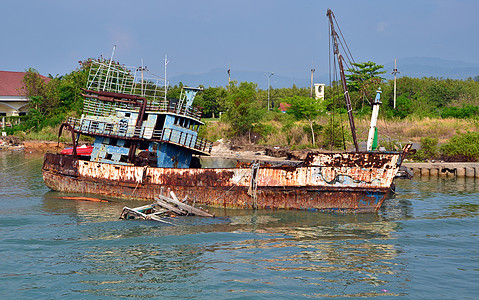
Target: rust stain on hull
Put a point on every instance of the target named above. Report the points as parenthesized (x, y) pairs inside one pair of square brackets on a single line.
[(320, 184)]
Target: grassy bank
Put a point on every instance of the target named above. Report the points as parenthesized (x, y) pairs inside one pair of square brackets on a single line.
[(283, 131)]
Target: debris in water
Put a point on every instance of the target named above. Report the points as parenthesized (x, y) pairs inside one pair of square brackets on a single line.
[(163, 207)]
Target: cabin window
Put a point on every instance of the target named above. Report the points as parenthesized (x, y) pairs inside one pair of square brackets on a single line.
[(109, 128), (127, 115), (108, 156)]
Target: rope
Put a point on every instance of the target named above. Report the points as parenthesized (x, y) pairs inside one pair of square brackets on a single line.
[(253, 187)]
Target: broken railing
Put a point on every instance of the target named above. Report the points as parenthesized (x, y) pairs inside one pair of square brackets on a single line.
[(169, 135)]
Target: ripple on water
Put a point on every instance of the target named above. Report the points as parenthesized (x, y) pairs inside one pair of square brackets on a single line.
[(422, 243)]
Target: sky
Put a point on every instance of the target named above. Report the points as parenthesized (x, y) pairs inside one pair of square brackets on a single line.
[(284, 37)]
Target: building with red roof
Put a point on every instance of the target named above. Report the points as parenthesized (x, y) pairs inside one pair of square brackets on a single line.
[(13, 102)]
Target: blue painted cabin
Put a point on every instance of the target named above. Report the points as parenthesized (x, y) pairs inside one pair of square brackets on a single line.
[(132, 130)]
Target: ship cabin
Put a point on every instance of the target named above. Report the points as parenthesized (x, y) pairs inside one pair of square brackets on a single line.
[(130, 130)]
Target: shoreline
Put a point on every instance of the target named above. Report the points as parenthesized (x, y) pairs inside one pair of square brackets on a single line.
[(264, 153)]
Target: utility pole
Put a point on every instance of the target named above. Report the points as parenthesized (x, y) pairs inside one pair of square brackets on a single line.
[(269, 76), (311, 91), (394, 72), (141, 69), (229, 77)]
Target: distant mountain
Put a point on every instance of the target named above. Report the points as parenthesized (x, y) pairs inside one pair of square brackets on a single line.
[(412, 67), (219, 77), (432, 67)]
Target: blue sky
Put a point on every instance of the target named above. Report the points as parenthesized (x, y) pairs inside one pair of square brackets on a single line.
[(285, 37)]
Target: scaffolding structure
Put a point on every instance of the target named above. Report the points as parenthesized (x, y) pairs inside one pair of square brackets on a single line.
[(109, 76)]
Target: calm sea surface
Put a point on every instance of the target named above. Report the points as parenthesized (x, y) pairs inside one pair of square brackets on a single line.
[(423, 244)]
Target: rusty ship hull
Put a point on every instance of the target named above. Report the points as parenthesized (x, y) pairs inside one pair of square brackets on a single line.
[(349, 182)]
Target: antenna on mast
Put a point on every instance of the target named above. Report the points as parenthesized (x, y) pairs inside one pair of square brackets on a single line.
[(166, 83), (109, 65)]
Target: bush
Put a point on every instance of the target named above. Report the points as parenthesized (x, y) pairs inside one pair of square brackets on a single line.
[(429, 149), (333, 135), (462, 147), (464, 112)]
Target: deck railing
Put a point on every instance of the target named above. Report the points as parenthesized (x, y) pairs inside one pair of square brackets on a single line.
[(115, 130), (180, 109)]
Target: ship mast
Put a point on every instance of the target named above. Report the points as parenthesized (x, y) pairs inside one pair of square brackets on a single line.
[(334, 36)]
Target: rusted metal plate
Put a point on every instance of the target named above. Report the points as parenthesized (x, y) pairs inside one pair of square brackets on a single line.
[(316, 188)]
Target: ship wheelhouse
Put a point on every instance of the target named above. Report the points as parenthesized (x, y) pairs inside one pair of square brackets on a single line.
[(138, 128)]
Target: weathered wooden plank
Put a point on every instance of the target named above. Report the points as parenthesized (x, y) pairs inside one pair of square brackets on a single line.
[(187, 207), (159, 219), (160, 200), (139, 215), (128, 211)]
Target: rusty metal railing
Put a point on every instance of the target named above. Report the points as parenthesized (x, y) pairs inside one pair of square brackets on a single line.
[(168, 135), (180, 109)]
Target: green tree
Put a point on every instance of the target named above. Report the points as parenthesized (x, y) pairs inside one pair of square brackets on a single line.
[(403, 106), (210, 100), (174, 92), (363, 80), (361, 73), (442, 92), (35, 87), (305, 108), (242, 108)]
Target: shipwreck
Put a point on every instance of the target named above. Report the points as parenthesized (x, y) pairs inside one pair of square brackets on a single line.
[(144, 143)]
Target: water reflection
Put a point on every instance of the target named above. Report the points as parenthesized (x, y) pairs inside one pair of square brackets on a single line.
[(54, 246), (434, 198), (247, 253)]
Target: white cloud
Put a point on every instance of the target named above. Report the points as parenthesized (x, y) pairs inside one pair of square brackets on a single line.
[(381, 27)]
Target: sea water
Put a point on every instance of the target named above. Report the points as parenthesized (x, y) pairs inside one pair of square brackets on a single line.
[(422, 244)]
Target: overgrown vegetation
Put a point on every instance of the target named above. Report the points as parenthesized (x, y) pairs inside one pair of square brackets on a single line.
[(436, 112), (462, 147)]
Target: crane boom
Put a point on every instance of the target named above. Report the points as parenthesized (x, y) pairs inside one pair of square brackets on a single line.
[(334, 35)]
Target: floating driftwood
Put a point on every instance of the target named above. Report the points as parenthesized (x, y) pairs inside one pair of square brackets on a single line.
[(183, 208), (163, 207), (146, 212)]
